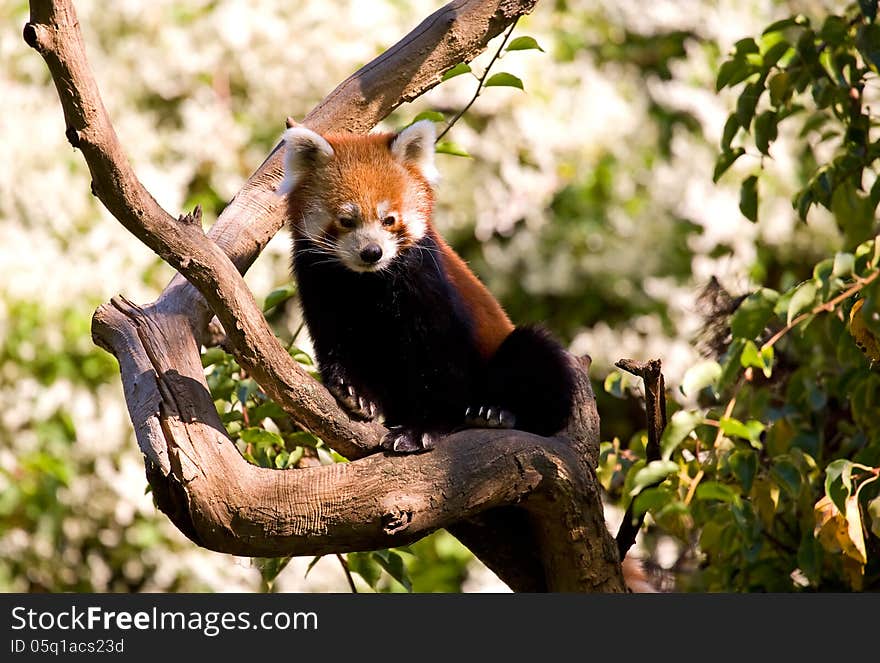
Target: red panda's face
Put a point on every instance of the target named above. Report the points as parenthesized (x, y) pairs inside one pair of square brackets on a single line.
[(361, 200)]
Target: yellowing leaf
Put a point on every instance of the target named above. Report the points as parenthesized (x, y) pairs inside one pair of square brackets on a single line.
[(854, 532), (765, 497), (865, 339), (838, 532)]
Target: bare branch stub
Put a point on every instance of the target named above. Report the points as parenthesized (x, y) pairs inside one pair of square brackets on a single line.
[(210, 492), (655, 413)]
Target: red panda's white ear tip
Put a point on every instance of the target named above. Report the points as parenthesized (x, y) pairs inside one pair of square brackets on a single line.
[(303, 150), (415, 145)]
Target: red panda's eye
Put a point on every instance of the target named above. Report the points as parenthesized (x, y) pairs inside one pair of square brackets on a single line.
[(389, 221), (346, 222)]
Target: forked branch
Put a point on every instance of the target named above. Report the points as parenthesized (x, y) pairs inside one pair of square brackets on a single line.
[(199, 478)]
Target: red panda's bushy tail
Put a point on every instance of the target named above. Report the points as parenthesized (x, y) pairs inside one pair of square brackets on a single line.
[(531, 376)]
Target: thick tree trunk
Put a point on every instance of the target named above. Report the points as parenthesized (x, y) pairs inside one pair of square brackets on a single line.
[(527, 506)]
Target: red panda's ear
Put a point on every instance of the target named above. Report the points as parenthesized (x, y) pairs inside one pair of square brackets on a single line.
[(304, 150), (415, 145)]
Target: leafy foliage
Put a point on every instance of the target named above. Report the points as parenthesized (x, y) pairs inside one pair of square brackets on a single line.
[(772, 479)]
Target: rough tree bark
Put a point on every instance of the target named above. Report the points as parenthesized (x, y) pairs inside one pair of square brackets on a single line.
[(528, 506)]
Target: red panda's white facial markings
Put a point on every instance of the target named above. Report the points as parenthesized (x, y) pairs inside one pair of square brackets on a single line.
[(364, 240), (361, 199)]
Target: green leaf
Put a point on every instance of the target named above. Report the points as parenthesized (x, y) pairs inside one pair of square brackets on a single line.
[(725, 160), (745, 46), (267, 410), (874, 515), (787, 476), (652, 474), (457, 70), (365, 565), (752, 356), (246, 389), (779, 26), (270, 567), (393, 564), (616, 383), (750, 430), (504, 79), (680, 425), (747, 103), (261, 438), (748, 198), (767, 356), (652, 499), (300, 438), (700, 376), (802, 299), (838, 482), (744, 463), (809, 557), (868, 43), (732, 72), (311, 565), (844, 263), (874, 195), (214, 356), (775, 53), (712, 490), (802, 202), (731, 127), (301, 356), (432, 115), (448, 147), (852, 210), (294, 457), (834, 30), (751, 317), (780, 88), (765, 131), (282, 294), (730, 365), (523, 44)]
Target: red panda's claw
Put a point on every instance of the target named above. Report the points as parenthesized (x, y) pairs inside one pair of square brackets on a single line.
[(406, 440), (489, 417), (357, 406)]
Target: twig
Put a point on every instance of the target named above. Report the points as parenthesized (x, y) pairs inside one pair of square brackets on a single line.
[(825, 306), (482, 80), (347, 571), (692, 489), (655, 413)]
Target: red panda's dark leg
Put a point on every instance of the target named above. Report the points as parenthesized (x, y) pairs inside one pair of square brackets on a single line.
[(347, 394)]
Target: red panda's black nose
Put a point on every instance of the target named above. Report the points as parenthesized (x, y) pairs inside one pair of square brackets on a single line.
[(371, 253)]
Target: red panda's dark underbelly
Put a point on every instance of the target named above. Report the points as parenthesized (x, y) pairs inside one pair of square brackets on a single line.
[(404, 336)]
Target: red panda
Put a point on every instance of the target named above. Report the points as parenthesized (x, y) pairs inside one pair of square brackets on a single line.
[(401, 326)]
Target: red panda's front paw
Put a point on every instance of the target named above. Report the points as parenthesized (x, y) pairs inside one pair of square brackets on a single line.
[(488, 417), (354, 404), (407, 441)]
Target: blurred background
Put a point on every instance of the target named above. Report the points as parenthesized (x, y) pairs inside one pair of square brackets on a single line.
[(587, 204)]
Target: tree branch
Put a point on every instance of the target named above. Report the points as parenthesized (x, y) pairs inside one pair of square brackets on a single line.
[(199, 478), (655, 414)]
